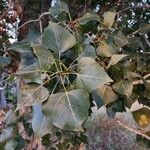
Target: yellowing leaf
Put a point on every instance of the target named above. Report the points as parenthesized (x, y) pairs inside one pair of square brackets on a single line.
[(109, 18), (105, 50), (115, 59), (142, 116)]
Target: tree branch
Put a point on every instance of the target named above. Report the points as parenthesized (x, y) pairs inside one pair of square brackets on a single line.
[(35, 20), (147, 6), (138, 132)]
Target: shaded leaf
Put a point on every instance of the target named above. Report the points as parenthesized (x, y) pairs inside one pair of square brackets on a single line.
[(30, 73), (21, 47), (123, 87), (58, 8), (109, 18), (120, 39), (144, 28), (4, 61), (10, 117), (107, 94), (142, 116), (44, 56), (88, 17), (115, 59), (58, 38), (40, 125), (30, 94), (10, 145), (67, 110), (91, 75), (6, 134)]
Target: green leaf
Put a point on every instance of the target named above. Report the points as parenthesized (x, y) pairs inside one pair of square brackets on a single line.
[(6, 134), (40, 125), (142, 116), (44, 56), (123, 87), (21, 47), (30, 73), (57, 38), (67, 110), (109, 18), (107, 94), (115, 59), (30, 94), (105, 49), (58, 8), (91, 75), (4, 61), (10, 145), (120, 39), (10, 117), (88, 17)]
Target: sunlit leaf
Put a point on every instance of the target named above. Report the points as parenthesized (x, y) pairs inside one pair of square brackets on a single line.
[(40, 125), (30, 94), (57, 38), (115, 59), (105, 50), (107, 94), (67, 110), (44, 56), (109, 18), (123, 87), (91, 75), (142, 116), (88, 17)]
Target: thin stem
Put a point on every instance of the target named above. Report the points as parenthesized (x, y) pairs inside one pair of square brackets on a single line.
[(133, 130)]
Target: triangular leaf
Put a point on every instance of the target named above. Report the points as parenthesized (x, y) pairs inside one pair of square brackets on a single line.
[(44, 56), (58, 38), (67, 110), (30, 73), (109, 18), (107, 94), (91, 75), (106, 50), (88, 17), (21, 47), (40, 125), (58, 8), (30, 94), (120, 39), (115, 59), (123, 87)]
